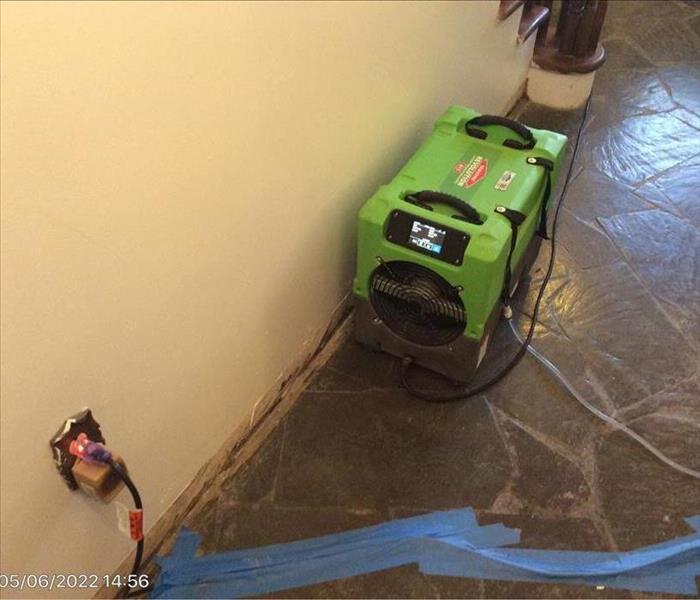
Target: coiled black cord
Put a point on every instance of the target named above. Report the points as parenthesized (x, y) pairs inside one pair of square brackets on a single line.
[(468, 393)]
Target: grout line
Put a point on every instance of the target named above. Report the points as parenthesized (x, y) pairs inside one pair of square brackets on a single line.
[(690, 341)]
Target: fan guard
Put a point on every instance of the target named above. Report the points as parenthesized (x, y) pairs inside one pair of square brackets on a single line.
[(416, 303)]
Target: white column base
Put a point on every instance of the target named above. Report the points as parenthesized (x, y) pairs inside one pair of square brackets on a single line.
[(565, 91)]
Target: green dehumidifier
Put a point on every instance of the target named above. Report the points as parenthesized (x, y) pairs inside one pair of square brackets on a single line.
[(442, 247)]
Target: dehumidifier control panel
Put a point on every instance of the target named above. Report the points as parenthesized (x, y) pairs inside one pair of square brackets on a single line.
[(427, 237)]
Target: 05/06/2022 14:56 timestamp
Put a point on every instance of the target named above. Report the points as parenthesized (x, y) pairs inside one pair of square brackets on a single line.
[(69, 581)]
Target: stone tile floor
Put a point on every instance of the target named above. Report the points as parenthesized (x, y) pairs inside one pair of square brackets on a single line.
[(621, 320)]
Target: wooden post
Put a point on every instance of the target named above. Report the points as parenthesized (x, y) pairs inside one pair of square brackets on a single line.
[(574, 47)]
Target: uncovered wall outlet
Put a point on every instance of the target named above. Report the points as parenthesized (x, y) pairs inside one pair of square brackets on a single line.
[(82, 422)]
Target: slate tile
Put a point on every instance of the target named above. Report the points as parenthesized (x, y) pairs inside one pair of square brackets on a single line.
[(621, 55), (544, 117), (678, 438), (254, 481), (564, 266), (329, 379), (543, 481), (592, 195), (651, 192), (621, 333), (599, 352), (589, 370), (585, 245), (532, 396), (665, 40), (683, 82), (573, 591), (665, 251), (644, 500), (677, 190), (622, 93), (629, 13), (687, 117), (692, 4), (694, 24), (523, 304), (202, 518), (681, 401), (401, 582), (354, 367), (386, 449), (670, 420), (551, 534), (249, 526), (640, 147), (518, 589), (651, 529), (455, 587), (623, 16)]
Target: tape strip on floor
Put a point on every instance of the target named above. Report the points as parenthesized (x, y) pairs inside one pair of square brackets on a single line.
[(441, 543)]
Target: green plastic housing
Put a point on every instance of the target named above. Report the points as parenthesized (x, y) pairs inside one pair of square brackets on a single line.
[(451, 161)]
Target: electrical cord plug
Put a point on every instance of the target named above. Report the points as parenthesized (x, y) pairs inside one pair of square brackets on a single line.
[(85, 449)]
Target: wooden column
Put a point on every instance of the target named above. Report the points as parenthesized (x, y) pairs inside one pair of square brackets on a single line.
[(573, 46)]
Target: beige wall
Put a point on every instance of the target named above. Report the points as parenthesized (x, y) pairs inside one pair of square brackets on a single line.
[(179, 190)]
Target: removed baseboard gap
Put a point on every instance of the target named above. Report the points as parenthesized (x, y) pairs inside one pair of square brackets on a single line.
[(318, 342), (516, 105), (520, 105), (268, 411)]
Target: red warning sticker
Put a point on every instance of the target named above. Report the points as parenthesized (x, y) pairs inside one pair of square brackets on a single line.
[(136, 524), (471, 171)]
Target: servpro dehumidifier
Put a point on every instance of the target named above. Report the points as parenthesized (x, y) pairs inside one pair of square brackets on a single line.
[(442, 247)]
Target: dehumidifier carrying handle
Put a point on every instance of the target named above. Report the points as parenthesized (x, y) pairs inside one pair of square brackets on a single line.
[(467, 210), (472, 129)]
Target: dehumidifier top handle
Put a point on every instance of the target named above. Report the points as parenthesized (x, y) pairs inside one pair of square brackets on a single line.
[(472, 125), (467, 210)]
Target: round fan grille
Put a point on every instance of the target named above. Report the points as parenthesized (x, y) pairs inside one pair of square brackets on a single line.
[(417, 303)]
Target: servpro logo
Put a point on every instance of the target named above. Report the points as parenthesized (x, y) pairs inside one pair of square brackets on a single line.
[(471, 172)]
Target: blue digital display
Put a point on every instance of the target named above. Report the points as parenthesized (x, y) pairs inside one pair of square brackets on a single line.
[(427, 237)]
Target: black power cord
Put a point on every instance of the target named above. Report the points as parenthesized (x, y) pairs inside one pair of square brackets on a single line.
[(468, 393), (125, 591)]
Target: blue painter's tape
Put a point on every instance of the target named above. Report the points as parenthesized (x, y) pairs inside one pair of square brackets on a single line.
[(443, 543), (674, 572), (358, 560), (280, 566), (458, 525)]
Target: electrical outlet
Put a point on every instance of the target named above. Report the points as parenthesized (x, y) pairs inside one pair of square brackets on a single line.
[(82, 422)]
